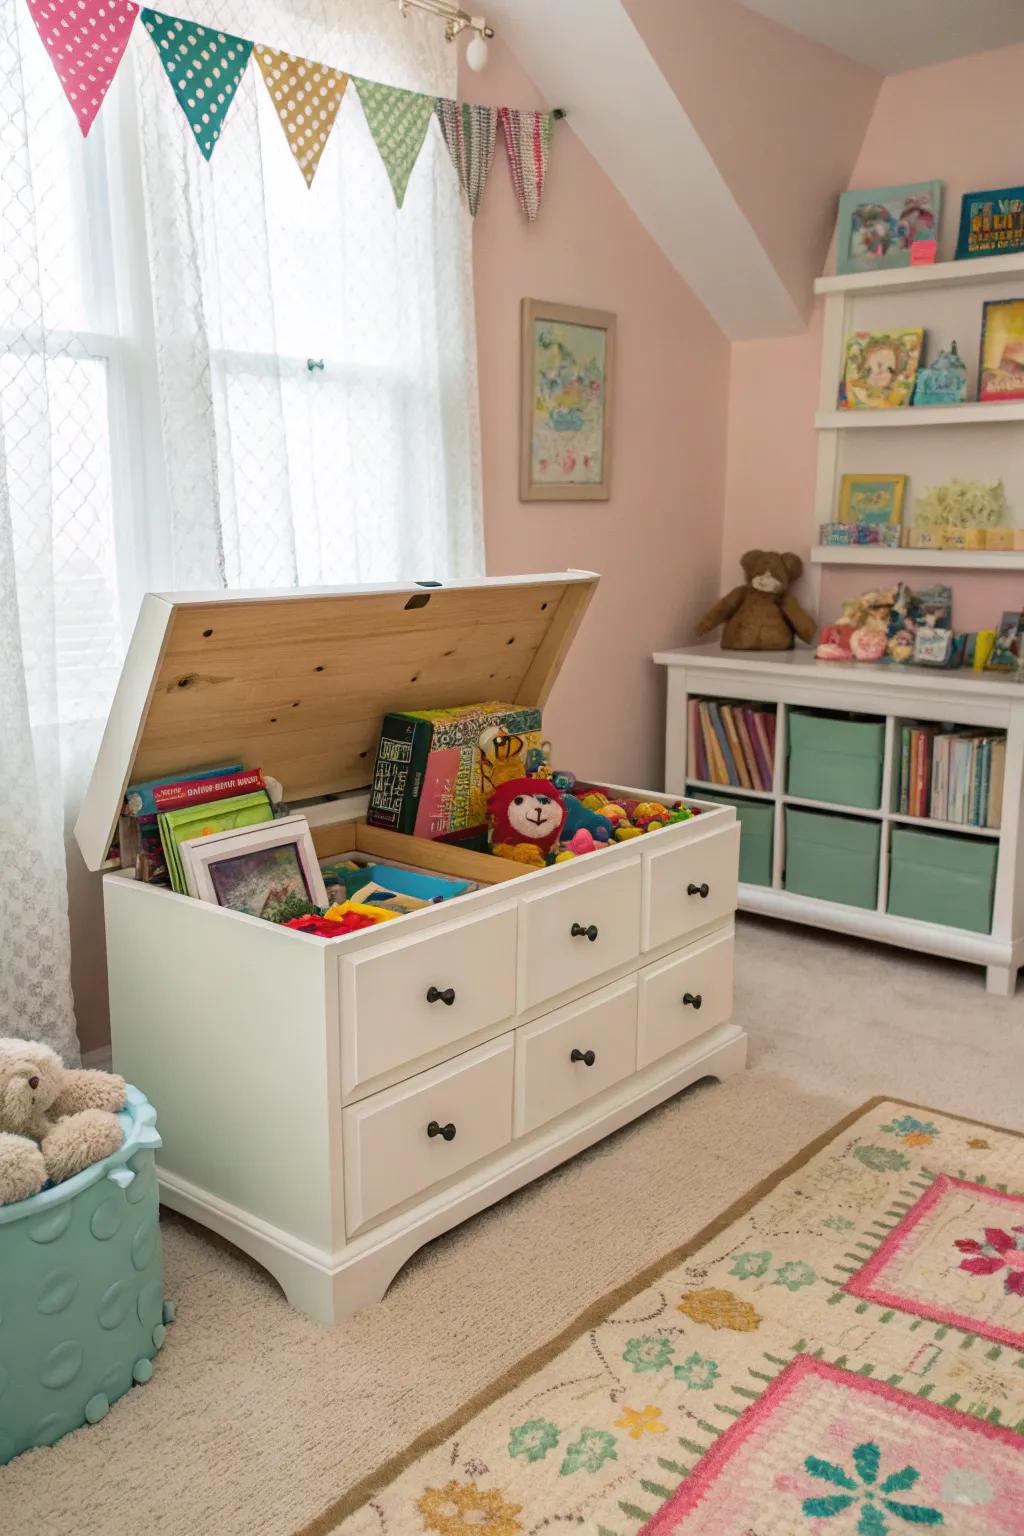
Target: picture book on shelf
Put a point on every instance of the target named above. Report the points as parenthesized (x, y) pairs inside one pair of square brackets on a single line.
[(991, 223), (1001, 369), (880, 369)]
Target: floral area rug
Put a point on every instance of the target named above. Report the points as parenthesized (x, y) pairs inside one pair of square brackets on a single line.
[(842, 1354)]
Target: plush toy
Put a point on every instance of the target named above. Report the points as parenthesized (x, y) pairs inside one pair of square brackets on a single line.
[(527, 816), (54, 1121), (762, 615), (578, 815)]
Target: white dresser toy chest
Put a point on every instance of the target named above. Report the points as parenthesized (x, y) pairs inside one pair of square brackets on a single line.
[(329, 1105)]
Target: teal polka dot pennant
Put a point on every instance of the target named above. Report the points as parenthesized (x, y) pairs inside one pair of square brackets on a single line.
[(204, 66)]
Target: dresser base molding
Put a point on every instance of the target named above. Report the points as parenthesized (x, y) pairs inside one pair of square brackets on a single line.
[(330, 1287)]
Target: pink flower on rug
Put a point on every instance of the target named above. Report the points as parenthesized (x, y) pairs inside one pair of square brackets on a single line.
[(1000, 1250)]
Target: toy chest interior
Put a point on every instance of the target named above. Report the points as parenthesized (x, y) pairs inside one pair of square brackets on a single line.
[(82, 1308), (298, 683)]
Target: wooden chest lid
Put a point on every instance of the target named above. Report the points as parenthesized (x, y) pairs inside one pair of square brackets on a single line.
[(296, 682)]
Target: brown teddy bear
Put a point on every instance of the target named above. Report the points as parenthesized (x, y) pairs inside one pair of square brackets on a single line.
[(763, 614), (54, 1121)]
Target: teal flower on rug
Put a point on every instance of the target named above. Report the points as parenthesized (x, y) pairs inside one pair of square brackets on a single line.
[(533, 1440), (881, 1159), (648, 1354), (794, 1274), (838, 1223), (749, 1265), (913, 1133), (862, 1489), (697, 1372), (589, 1453)]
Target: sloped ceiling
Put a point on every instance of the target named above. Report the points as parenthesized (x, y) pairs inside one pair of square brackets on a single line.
[(729, 136), (894, 35)]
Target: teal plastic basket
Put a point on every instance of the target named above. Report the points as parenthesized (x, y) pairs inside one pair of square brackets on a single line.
[(82, 1308)]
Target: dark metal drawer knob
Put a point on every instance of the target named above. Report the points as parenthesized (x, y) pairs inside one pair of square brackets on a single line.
[(692, 999), (447, 1131), (587, 1057), (579, 932), (703, 891), (447, 996)]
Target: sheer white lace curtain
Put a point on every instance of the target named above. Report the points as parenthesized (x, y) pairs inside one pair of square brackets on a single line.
[(184, 440)]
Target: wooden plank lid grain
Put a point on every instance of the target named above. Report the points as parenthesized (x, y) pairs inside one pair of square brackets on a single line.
[(297, 682)]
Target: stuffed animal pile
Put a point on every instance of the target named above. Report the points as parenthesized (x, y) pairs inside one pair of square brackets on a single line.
[(54, 1121)]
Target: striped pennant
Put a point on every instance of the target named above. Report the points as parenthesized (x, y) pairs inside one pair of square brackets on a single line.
[(469, 134), (528, 142)]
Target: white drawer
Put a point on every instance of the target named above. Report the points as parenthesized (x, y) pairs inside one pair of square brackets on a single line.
[(400, 1142), (691, 885), (684, 996), (406, 998), (573, 1054), (577, 933)]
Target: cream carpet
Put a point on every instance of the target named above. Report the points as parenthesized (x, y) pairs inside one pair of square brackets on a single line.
[(256, 1419)]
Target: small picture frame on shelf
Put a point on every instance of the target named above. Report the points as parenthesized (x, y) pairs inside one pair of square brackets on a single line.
[(991, 223), (259, 870), (880, 369), (1006, 652), (878, 226), (871, 499), (1001, 367)]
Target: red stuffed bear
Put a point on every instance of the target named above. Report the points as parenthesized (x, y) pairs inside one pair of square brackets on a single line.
[(527, 816)]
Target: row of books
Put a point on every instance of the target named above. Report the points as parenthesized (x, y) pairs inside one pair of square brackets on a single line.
[(161, 814), (952, 776), (731, 744)]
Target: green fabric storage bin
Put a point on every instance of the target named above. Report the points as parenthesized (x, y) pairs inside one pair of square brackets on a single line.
[(943, 879), (757, 823), (837, 760), (833, 858)]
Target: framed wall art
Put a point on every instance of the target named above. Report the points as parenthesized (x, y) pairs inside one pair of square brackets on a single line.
[(871, 499), (568, 370), (878, 226)]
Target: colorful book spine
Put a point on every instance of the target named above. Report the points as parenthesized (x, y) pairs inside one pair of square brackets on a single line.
[(173, 797), (995, 783), (745, 726), (764, 742), (725, 752), (742, 779)]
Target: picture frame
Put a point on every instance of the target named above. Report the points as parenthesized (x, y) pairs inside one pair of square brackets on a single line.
[(991, 223), (255, 869), (1001, 360), (567, 377), (880, 369), (871, 499), (1006, 652), (878, 225)]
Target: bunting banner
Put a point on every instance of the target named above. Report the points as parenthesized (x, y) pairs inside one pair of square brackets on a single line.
[(306, 97), (204, 67), (398, 121), (528, 141), (85, 40), (469, 133)]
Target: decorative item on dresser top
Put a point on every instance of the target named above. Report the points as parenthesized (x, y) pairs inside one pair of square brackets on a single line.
[(331, 1104), (843, 854)]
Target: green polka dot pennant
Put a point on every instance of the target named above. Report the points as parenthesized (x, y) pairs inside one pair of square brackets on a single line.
[(204, 66), (398, 121)]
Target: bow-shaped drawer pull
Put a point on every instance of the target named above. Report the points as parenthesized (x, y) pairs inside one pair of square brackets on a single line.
[(703, 891), (577, 931), (437, 995), (587, 1057), (447, 1131), (692, 999)]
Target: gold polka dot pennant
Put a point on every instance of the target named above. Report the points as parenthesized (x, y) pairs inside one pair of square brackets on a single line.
[(306, 97), (204, 66)]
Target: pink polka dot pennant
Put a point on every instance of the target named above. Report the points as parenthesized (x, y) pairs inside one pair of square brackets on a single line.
[(85, 40)]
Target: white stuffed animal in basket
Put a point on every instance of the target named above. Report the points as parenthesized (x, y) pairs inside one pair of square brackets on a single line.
[(54, 1120)]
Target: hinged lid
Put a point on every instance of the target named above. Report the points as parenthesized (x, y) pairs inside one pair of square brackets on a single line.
[(297, 682)]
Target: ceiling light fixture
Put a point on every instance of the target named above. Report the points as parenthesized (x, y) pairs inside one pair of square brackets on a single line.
[(456, 21)]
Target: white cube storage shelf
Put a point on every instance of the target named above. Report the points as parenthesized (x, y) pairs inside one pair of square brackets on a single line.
[(796, 679), (316, 1108)]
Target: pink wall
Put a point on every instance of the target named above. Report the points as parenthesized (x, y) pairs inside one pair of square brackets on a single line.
[(657, 541), (924, 126), (782, 117)]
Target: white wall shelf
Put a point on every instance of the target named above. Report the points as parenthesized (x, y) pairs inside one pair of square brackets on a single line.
[(978, 272), (973, 413), (932, 559), (796, 679)]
